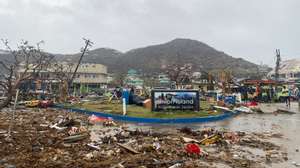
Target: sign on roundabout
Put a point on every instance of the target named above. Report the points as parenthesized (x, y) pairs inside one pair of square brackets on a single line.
[(167, 100)]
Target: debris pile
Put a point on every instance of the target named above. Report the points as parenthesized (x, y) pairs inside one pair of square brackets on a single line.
[(53, 138)]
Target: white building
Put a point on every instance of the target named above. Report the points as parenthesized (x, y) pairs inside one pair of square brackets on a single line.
[(88, 77), (91, 74), (288, 70)]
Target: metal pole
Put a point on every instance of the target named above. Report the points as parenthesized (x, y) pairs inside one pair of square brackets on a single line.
[(87, 44)]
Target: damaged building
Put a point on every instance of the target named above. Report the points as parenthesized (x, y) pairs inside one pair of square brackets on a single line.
[(89, 77), (289, 70)]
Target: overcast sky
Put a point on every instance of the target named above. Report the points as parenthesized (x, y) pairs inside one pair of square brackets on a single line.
[(250, 29)]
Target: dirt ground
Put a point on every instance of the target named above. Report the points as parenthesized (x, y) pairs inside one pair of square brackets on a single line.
[(57, 138)]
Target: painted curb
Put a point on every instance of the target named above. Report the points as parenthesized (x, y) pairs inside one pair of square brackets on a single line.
[(226, 115)]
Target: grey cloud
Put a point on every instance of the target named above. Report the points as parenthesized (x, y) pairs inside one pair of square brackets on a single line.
[(247, 29)]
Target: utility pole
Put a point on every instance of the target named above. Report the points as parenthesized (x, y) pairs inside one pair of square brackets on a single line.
[(88, 43), (278, 59)]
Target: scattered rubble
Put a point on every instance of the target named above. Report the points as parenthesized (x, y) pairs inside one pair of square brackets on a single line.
[(286, 111), (55, 138)]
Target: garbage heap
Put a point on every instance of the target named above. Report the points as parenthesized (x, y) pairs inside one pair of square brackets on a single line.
[(55, 138)]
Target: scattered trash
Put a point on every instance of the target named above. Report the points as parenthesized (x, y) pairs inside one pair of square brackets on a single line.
[(186, 130), (243, 109), (176, 165), (75, 138), (250, 104), (109, 123), (3, 132), (10, 166), (75, 130), (156, 145), (235, 156), (94, 146), (286, 111), (296, 164), (128, 148), (193, 149), (231, 137), (89, 155), (94, 119), (120, 166), (189, 140), (222, 108), (210, 140), (58, 137), (57, 127)]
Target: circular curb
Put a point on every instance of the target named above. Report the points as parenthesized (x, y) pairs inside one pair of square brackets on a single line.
[(225, 115)]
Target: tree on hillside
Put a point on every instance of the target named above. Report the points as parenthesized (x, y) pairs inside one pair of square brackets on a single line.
[(118, 80), (26, 63), (180, 74)]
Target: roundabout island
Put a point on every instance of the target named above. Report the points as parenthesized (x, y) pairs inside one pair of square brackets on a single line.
[(141, 114)]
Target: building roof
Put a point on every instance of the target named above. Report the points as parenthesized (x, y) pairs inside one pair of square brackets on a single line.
[(92, 68), (83, 68)]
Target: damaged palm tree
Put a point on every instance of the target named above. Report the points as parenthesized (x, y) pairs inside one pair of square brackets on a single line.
[(25, 64)]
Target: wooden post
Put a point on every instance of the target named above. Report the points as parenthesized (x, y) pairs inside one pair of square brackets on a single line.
[(124, 106), (15, 104), (13, 113)]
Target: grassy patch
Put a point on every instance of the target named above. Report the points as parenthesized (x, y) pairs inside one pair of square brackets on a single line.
[(138, 111)]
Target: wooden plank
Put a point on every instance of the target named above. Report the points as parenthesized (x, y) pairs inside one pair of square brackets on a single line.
[(75, 138), (188, 140), (128, 148)]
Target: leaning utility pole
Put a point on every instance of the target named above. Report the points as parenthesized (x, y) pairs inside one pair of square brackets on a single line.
[(278, 59), (88, 43)]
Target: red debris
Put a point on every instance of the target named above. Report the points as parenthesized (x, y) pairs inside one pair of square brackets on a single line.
[(251, 104), (193, 149), (94, 118)]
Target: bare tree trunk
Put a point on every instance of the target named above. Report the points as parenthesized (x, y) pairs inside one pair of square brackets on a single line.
[(63, 91)]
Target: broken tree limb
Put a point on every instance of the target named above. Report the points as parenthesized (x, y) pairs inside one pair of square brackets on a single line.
[(280, 110), (128, 148), (94, 146), (75, 138), (189, 140)]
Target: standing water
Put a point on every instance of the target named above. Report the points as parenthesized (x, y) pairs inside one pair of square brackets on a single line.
[(286, 124)]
